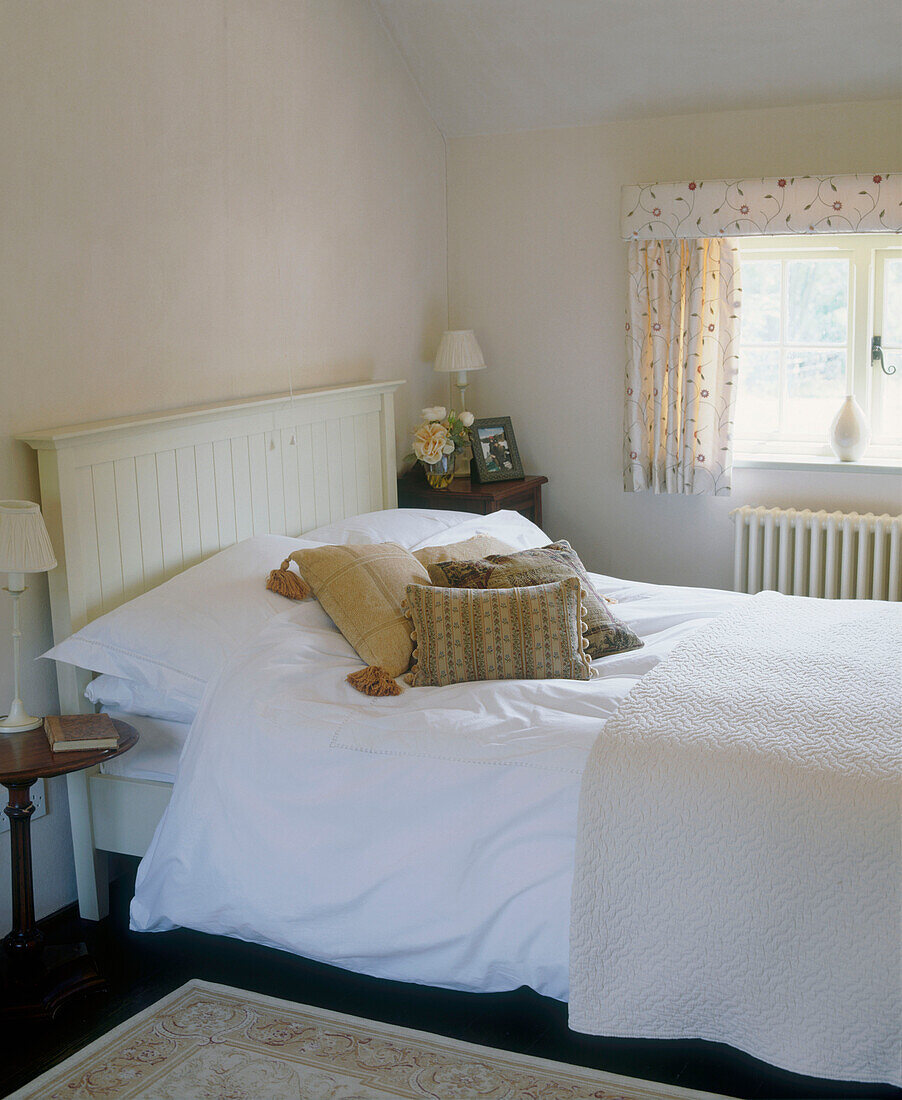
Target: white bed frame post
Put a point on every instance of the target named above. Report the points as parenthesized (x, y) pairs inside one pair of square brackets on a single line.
[(128, 503), (91, 864)]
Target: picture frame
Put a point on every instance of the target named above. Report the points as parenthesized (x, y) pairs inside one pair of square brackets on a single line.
[(495, 453)]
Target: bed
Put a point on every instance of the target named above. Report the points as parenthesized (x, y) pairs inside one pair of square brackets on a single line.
[(422, 838)]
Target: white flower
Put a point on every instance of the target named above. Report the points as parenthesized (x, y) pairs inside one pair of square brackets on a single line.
[(430, 442), (466, 418), (435, 412)]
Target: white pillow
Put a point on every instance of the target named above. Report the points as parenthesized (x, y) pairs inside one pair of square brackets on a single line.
[(517, 531), (175, 638), (405, 526), (415, 528), (132, 697)]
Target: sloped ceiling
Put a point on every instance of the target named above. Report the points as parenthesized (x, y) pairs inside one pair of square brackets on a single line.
[(492, 66)]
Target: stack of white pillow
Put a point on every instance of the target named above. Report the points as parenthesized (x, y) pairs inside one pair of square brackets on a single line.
[(156, 654)]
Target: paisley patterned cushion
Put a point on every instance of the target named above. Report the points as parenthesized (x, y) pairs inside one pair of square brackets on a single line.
[(528, 633), (606, 633)]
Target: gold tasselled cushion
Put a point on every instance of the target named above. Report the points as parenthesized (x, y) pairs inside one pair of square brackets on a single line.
[(361, 588)]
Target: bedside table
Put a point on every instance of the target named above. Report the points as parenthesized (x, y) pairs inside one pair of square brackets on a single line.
[(37, 981), (465, 495)]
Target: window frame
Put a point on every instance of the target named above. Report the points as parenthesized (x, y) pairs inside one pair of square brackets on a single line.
[(879, 380), (867, 253)]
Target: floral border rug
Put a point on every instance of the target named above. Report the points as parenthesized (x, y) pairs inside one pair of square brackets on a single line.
[(212, 1042)]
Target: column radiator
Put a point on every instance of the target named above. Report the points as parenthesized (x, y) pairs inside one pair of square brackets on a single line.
[(831, 554)]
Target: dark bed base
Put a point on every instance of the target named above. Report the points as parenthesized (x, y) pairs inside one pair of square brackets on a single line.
[(141, 968)]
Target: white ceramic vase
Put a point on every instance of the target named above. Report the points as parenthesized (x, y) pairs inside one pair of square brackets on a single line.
[(850, 432)]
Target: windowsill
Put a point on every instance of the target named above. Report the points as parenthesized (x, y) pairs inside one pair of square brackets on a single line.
[(820, 463)]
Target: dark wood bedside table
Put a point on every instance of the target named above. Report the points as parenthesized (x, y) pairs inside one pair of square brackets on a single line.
[(466, 495), (38, 980)]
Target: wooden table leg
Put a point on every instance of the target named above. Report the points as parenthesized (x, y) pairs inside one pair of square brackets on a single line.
[(24, 942), (537, 505), (38, 979)]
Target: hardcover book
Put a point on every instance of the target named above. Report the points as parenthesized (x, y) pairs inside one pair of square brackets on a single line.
[(77, 732)]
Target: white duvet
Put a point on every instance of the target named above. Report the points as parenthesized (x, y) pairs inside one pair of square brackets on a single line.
[(427, 838)]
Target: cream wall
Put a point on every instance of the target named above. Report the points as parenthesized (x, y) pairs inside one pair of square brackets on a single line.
[(538, 269), (198, 197)]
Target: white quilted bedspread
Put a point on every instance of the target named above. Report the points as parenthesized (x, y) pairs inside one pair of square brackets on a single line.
[(738, 858)]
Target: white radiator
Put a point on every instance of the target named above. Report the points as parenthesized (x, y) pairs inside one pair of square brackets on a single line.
[(831, 554)]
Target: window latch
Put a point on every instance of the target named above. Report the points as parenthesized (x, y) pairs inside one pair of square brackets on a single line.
[(877, 356)]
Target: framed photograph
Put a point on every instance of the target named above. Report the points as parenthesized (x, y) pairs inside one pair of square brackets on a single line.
[(495, 454)]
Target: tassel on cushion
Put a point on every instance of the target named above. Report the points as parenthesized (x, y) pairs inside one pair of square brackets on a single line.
[(373, 680), (285, 583)]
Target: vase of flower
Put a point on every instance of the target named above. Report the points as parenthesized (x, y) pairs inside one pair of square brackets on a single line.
[(440, 474), (438, 441)]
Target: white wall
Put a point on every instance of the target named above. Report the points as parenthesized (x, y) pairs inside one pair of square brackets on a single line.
[(196, 197), (538, 269)]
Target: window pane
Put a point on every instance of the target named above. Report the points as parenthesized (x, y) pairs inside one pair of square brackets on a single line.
[(889, 408), (818, 305), (761, 301), (892, 303), (815, 387), (758, 398)]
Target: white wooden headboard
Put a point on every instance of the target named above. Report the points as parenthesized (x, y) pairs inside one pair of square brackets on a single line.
[(129, 503)]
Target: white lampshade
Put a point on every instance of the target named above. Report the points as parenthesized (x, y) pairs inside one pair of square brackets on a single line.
[(24, 543), (458, 351)]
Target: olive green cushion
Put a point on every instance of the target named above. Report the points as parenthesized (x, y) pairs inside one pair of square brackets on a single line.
[(467, 634)]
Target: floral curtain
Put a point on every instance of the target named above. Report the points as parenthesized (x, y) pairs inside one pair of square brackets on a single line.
[(683, 341)]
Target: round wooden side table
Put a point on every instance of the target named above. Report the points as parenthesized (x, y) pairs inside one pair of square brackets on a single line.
[(39, 979)]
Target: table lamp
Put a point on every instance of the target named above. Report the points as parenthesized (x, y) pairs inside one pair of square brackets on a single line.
[(458, 352), (24, 548)]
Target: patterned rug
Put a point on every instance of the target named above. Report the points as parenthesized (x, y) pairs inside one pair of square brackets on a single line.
[(211, 1042)]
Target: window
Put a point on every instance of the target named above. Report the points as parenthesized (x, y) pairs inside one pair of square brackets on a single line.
[(810, 308)]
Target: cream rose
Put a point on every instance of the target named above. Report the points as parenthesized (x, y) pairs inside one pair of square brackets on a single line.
[(430, 442), (466, 418), (435, 412)]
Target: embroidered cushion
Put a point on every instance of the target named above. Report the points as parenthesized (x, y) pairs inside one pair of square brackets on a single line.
[(361, 587), (479, 546), (527, 633), (606, 633)]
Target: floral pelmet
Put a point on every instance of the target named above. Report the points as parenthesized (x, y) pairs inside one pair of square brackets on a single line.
[(867, 202)]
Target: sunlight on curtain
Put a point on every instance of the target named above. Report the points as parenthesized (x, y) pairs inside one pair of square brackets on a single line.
[(683, 341)]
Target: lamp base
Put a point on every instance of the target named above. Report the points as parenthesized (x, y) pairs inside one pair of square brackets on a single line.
[(19, 720)]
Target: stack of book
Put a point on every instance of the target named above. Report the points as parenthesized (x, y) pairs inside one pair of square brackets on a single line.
[(78, 732)]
